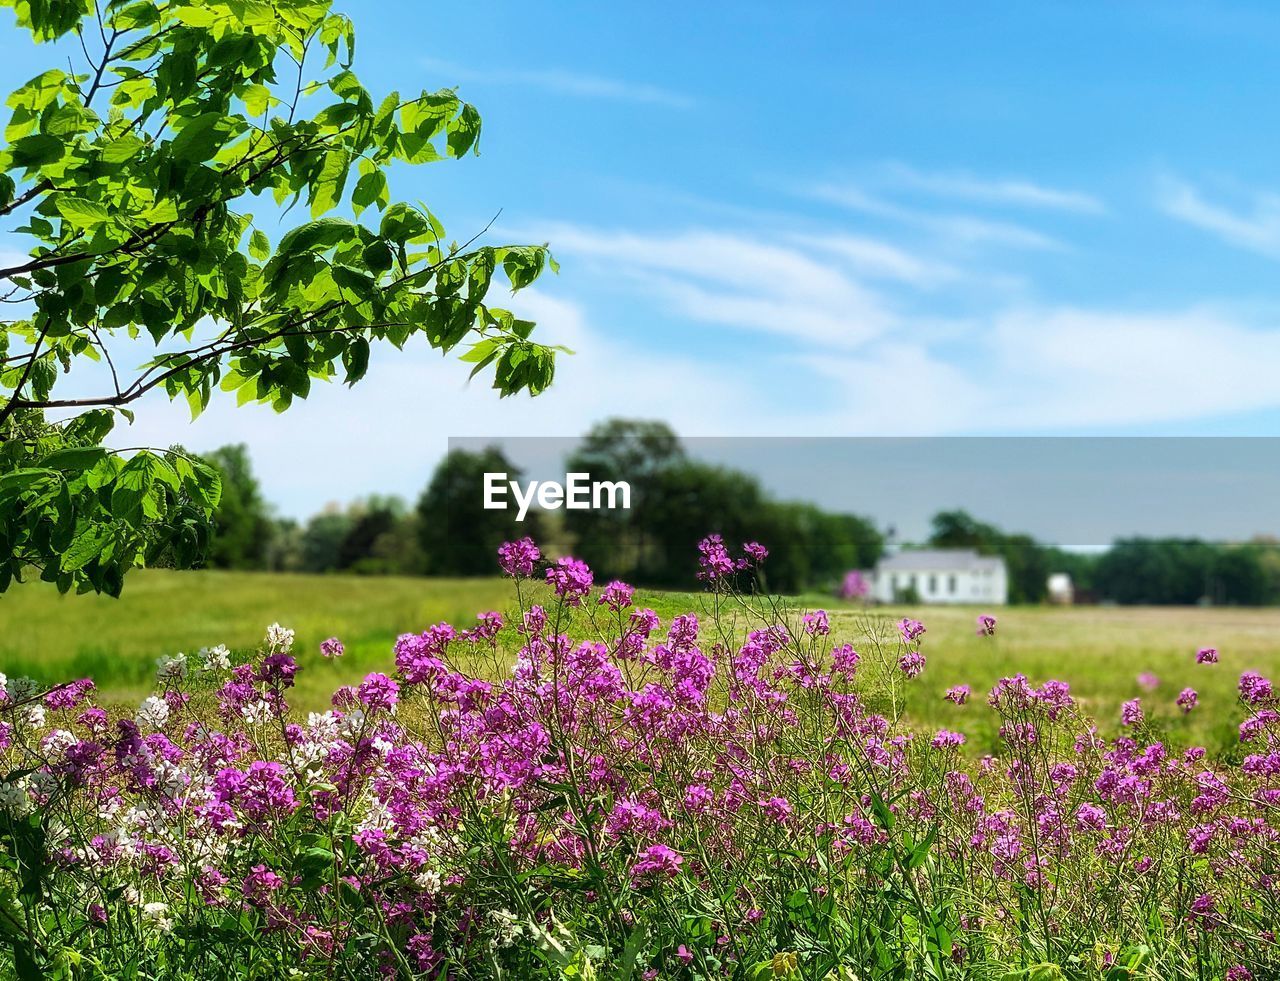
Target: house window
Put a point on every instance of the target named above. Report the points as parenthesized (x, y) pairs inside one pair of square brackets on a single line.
[(933, 585), (951, 585)]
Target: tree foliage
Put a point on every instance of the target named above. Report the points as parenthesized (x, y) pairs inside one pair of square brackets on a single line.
[(457, 534), (242, 520), (133, 176)]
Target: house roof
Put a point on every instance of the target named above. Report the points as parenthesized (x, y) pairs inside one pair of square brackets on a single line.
[(939, 560)]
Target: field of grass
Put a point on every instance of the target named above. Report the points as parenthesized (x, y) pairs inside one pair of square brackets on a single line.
[(1099, 650)]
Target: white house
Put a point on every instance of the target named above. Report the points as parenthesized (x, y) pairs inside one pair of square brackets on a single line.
[(1060, 589), (941, 576)]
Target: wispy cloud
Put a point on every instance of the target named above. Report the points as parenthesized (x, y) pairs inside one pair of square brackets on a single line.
[(564, 82), (1256, 227), (1007, 191), (736, 280), (960, 228)]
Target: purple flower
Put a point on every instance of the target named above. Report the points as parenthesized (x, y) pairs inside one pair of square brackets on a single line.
[(986, 625), (756, 552), (1254, 688), (912, 664), (617, 595), (1207, 655), (714, 561), (378, 692), (816, 623), (945, 739), (1148, 681), (958, 694), (519, 557), (278, 669), (911, 630), (657, 862), (259, 885), (571, 578), (854, 585), (1204, 911), (1187, 699), (1131, 713), (332, 647)]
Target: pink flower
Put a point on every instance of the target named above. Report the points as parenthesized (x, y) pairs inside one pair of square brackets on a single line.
[(657, 862), (911, 630), (617, 595), (1207, 655), (519, 557), (912, 664), (572, 579), (1131, 713), (1148, 681), (259, 885), (714, 561), (854, 586), (332, 647), (986, 625), (816, 623), (1187, 699), (1254, 688), (958, 694), (378, 692), (945, 739)]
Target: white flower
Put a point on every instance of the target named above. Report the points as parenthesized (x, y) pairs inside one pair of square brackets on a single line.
[(279, 638), (14, 798), (257, 712), (33, 715), (215, 658), (506, 927), (153, 713), (171, 668), (57, 743), (428, 881), (157, 914)]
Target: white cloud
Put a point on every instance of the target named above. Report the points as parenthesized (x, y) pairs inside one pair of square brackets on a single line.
[(735, 280), (1022, 193), (873, 258), (960, 229), (562, 82), (1057, 368), (1256, 228)]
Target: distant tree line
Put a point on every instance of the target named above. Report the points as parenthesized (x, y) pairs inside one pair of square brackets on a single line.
[(1147, 571), (676, 500)]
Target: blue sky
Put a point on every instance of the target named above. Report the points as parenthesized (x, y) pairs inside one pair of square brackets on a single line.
[(830, 219)]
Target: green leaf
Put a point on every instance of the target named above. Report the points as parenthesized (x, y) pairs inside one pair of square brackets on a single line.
[(259, 246), (80, 212), (199, 138), (74, 458), (36, 151), (132, 491), (121, 149)]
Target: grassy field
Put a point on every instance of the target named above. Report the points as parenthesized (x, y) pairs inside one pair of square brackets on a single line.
[(1100, 651)]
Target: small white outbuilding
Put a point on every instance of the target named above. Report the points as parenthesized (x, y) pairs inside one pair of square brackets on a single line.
[(941, 576)]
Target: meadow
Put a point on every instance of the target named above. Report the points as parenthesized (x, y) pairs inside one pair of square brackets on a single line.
[(1099, 651), (596, 782)]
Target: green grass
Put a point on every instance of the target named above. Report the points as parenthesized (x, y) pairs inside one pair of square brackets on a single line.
[(1100, 651), (116, 642)]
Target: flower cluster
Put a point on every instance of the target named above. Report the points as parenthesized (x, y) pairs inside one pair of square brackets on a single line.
[(715, 796)]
